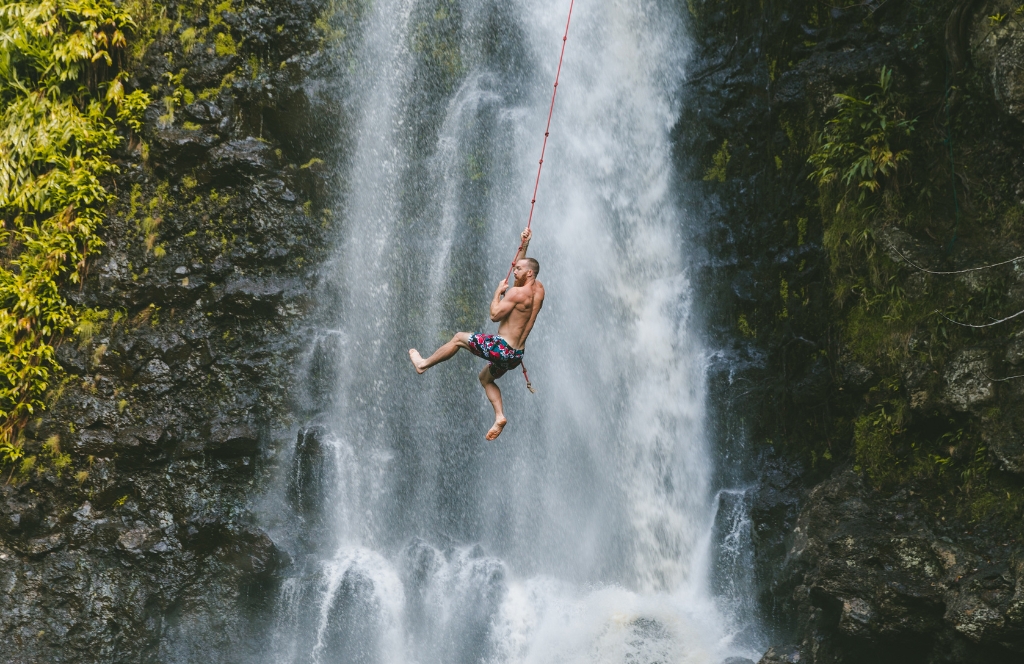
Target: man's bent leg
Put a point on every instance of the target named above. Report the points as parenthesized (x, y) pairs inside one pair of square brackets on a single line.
[(494, 396), (445, 352)]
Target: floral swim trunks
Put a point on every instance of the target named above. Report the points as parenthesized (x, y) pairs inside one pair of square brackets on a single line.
[(497, 351)]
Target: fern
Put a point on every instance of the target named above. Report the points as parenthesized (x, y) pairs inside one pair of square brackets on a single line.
[(62, 97)]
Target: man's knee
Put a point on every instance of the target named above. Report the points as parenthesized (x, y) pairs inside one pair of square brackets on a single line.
[(461, 339), (485, 376)]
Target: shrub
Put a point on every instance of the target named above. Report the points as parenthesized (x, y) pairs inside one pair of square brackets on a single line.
[(62, 97)]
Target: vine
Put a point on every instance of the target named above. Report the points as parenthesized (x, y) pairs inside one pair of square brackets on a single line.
[(63, 99)]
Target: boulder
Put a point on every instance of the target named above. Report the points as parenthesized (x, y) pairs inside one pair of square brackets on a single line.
[(870, 573), (781, 655), (968, 380), (238, 160)]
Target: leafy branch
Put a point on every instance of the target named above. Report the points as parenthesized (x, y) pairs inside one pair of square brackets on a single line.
[(62, 97)]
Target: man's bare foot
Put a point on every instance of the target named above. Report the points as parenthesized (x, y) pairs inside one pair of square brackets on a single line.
[(417, 360), (495, 430)]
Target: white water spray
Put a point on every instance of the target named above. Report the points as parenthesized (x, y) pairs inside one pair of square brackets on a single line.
[(584, 534)]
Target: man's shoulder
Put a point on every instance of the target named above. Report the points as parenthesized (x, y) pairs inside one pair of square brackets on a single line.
[(517, 293)]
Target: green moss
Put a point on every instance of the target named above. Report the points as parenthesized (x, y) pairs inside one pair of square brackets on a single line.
[(745, 328), (436, 39), (224, 44), (716, 172)]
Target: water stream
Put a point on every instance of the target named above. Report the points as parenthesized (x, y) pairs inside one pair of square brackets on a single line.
[(589, 531)]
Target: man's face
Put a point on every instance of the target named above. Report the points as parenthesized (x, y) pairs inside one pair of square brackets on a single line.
[(520, 270)]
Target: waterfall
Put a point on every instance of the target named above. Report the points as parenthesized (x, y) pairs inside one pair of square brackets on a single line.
[(587, 531)]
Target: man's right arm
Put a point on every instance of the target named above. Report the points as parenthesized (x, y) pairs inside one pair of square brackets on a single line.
[(502, 307)]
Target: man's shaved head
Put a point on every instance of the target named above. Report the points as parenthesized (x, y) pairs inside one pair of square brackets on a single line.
[(532, 264)]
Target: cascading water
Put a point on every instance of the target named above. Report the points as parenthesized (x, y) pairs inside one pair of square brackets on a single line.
[(586, 532)]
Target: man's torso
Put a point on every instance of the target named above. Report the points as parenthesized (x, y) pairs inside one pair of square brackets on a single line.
[(516, 327)]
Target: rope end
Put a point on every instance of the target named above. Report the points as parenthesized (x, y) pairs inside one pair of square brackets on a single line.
[(529, 386)]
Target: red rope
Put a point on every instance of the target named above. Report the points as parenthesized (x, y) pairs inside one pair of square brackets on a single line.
[(547, 132), (540, 164)]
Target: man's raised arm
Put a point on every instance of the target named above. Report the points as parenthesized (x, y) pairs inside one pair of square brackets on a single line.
[(525, 235)]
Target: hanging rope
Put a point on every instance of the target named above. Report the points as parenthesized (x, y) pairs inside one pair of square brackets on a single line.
[(540, 165), (547, 132)]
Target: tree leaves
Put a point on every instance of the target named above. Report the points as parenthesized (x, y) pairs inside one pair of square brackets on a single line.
[(61, 101)]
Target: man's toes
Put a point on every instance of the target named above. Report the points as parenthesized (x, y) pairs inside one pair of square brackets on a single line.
[(495, 430), (417, 360)]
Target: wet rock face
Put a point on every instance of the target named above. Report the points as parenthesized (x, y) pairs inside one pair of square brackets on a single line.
[(997, 47), (871, 578), (848, 573), (312, 474), (144, 548)]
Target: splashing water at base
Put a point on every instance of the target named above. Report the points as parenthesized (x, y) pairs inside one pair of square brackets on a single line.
[(585, 532)]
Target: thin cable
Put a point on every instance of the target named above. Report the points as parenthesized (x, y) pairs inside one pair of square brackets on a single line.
[(978, 327), (970, 269)]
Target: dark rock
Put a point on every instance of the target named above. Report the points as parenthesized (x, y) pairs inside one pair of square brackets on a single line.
[(230, 438), (139, 539), (43, 545), (254, 553), (1005, 440), (738, 660), (782, 655), (246, 296), (857, 376), (155, 371), (208, 72), (997, 47), (174, 144), (96, 442), (72, 360), (204, 111), (968, 380), (236, 160), (868, 573), (312, 474)]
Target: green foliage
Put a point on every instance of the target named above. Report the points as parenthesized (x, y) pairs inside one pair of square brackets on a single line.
[(62, 97), (875, 434), (719, 162), (745, 328), (863, 146)]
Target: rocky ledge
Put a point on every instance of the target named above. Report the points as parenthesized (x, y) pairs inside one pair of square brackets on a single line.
[(871, 578)]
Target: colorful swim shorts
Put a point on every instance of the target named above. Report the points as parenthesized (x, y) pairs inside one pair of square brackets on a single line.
[(497, 351)]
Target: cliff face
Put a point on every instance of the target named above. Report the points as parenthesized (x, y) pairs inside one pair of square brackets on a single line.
[(886, 442), (173, 403), (885, 436)]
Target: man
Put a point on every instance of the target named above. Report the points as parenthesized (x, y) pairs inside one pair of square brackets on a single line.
[(515, 314)]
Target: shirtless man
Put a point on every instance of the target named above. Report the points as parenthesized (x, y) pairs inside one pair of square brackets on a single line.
[(515, 314)]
